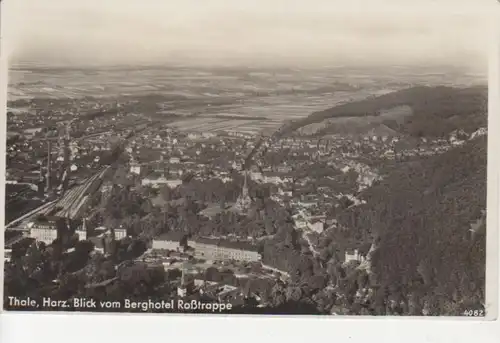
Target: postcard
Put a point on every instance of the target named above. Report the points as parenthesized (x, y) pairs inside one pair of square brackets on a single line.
[(237, 158)]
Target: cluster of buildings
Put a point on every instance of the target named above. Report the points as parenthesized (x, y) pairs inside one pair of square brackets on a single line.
[(175, 154), (191, 287), (47, 229), (57, 139), (207, 248), (304, 221)]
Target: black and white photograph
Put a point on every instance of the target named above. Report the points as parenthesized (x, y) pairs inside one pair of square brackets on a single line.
[(245, 157)]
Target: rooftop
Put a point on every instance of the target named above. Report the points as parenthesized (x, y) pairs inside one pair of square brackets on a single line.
[(171, 236), (242, 245), (98, 242), (211, 210), (154, 176), (176, 236)]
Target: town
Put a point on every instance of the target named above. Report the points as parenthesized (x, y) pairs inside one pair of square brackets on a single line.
[(109, 196)]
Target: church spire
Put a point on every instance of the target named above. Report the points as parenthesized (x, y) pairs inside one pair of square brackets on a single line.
[(245, 185), (183, 276), (244, 201)]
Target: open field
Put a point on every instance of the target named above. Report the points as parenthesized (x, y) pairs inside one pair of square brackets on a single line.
[(263, 99)]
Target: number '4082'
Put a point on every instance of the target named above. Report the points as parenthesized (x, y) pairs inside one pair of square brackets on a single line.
[(473, 313)]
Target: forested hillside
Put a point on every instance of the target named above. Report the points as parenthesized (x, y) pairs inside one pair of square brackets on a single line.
[(428, 221), (436, 111)]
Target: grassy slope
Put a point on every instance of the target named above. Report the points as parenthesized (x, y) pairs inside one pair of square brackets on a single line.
[(436, 110)]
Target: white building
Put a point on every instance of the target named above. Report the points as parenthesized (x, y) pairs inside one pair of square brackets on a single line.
[(43, 233), (154, 182), (82, 231), (162, 244), (221, 251), (173, 183), (300, 223), (181, 292), (256, 176), (120, 233), (481, 132), (82, 235), (273, 179), (354, 256), (135, 168), (7, 254), (162, 180), (316, 227)]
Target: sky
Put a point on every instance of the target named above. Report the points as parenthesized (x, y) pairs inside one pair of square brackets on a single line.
[(258, 32)]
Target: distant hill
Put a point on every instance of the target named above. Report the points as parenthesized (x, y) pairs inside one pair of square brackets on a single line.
[(417, 111), (422, 215)]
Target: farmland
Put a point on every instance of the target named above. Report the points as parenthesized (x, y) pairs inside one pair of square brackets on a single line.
[(253, 100)]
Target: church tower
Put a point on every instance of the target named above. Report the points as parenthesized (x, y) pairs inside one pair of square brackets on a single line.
[(244, 200), (187, 282)]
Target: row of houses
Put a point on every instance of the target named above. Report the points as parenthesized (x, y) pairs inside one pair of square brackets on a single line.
[(207, 248)]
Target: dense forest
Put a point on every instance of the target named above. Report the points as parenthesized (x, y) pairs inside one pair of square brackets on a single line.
[(427, 219)]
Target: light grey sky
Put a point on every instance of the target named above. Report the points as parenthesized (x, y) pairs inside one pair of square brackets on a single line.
[(288, 32)]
